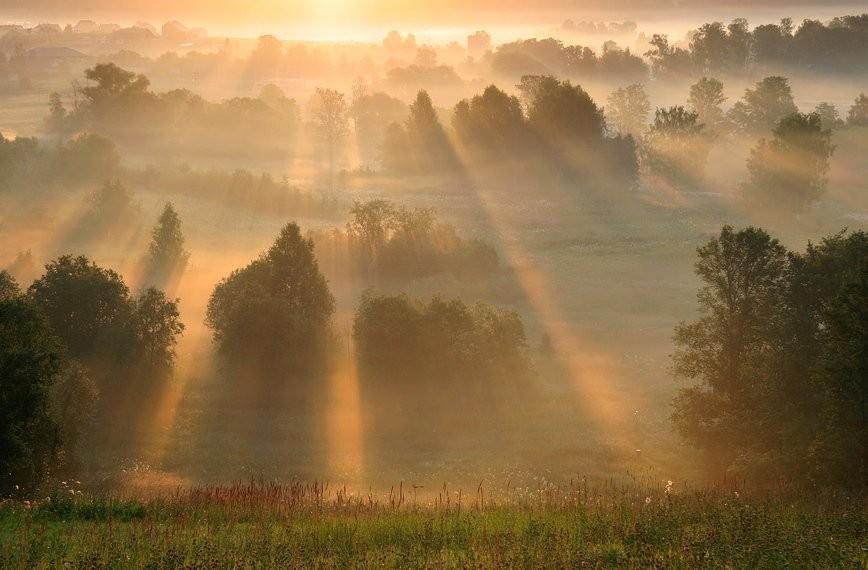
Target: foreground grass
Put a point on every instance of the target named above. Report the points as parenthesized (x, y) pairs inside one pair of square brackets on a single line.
[(264, 525)]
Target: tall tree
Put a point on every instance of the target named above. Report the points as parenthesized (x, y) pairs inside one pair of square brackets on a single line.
[(676, 147), (167, 257), (742, 274), (788, 172), (329, 113), (274, 312), (706, 100), (431, 147), (857, 116), (628, 110), (764, 106)]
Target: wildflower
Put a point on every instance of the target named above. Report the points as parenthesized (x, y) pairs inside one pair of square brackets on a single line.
[(669, 487), (647, 500)]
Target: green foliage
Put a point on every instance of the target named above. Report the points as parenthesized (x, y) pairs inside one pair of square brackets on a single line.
[(444, 345), (628, 109), (63, 507), (383, 243), (429, 146), (91, 310), (565, 114), (119, 103), (30, 360), (778, 355), (706, 100), (789, 171), (492, 122), (764, 106), (275, 312), (9, 288), (26, 165), (676, 147), (330, 116), (167, 257), (857, 116)]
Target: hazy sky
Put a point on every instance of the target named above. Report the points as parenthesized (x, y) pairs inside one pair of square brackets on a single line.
[(247, 17)]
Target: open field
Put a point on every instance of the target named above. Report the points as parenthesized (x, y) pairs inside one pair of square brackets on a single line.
[(296, 525)]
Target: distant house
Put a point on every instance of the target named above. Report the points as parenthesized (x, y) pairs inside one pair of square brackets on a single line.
[(47, 29), (175, 31), (85, 27)]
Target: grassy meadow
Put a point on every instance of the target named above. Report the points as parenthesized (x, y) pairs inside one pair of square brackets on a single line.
[(298, 525)]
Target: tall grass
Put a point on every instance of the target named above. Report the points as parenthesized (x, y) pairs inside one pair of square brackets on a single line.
[(261, 524)]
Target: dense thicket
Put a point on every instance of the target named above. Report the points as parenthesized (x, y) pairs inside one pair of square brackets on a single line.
[(80, 360), (384, 243), (430, 369), (779, 354), (27, 164), (119, 103)]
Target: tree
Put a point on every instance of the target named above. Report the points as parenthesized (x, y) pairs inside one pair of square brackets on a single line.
[(30, 360), (157, 326), (830, 118), (706, 100), (372, 115), (779, 352), (628, 110), (742, 274), (8, 286), (372, 223), (73, 400), (563, 113), (329, 114), (109, 209), (668, 61), (432, 150), (789, 171), (492, 122), (676, 147), (167, 257), (274, 312), (857, 116), (88, 308), (420, 349), (56, 120), (764, 106), (92, 312), (840, 449)]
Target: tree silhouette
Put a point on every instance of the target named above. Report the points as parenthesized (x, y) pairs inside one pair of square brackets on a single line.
[(275, 312), (788, 172), (167, 257), (676, 147), (628, 109), (329, 113), (763, 106), (706, 100), (857, 116)]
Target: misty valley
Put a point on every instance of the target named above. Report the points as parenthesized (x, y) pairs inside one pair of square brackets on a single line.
[(592, 294)]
